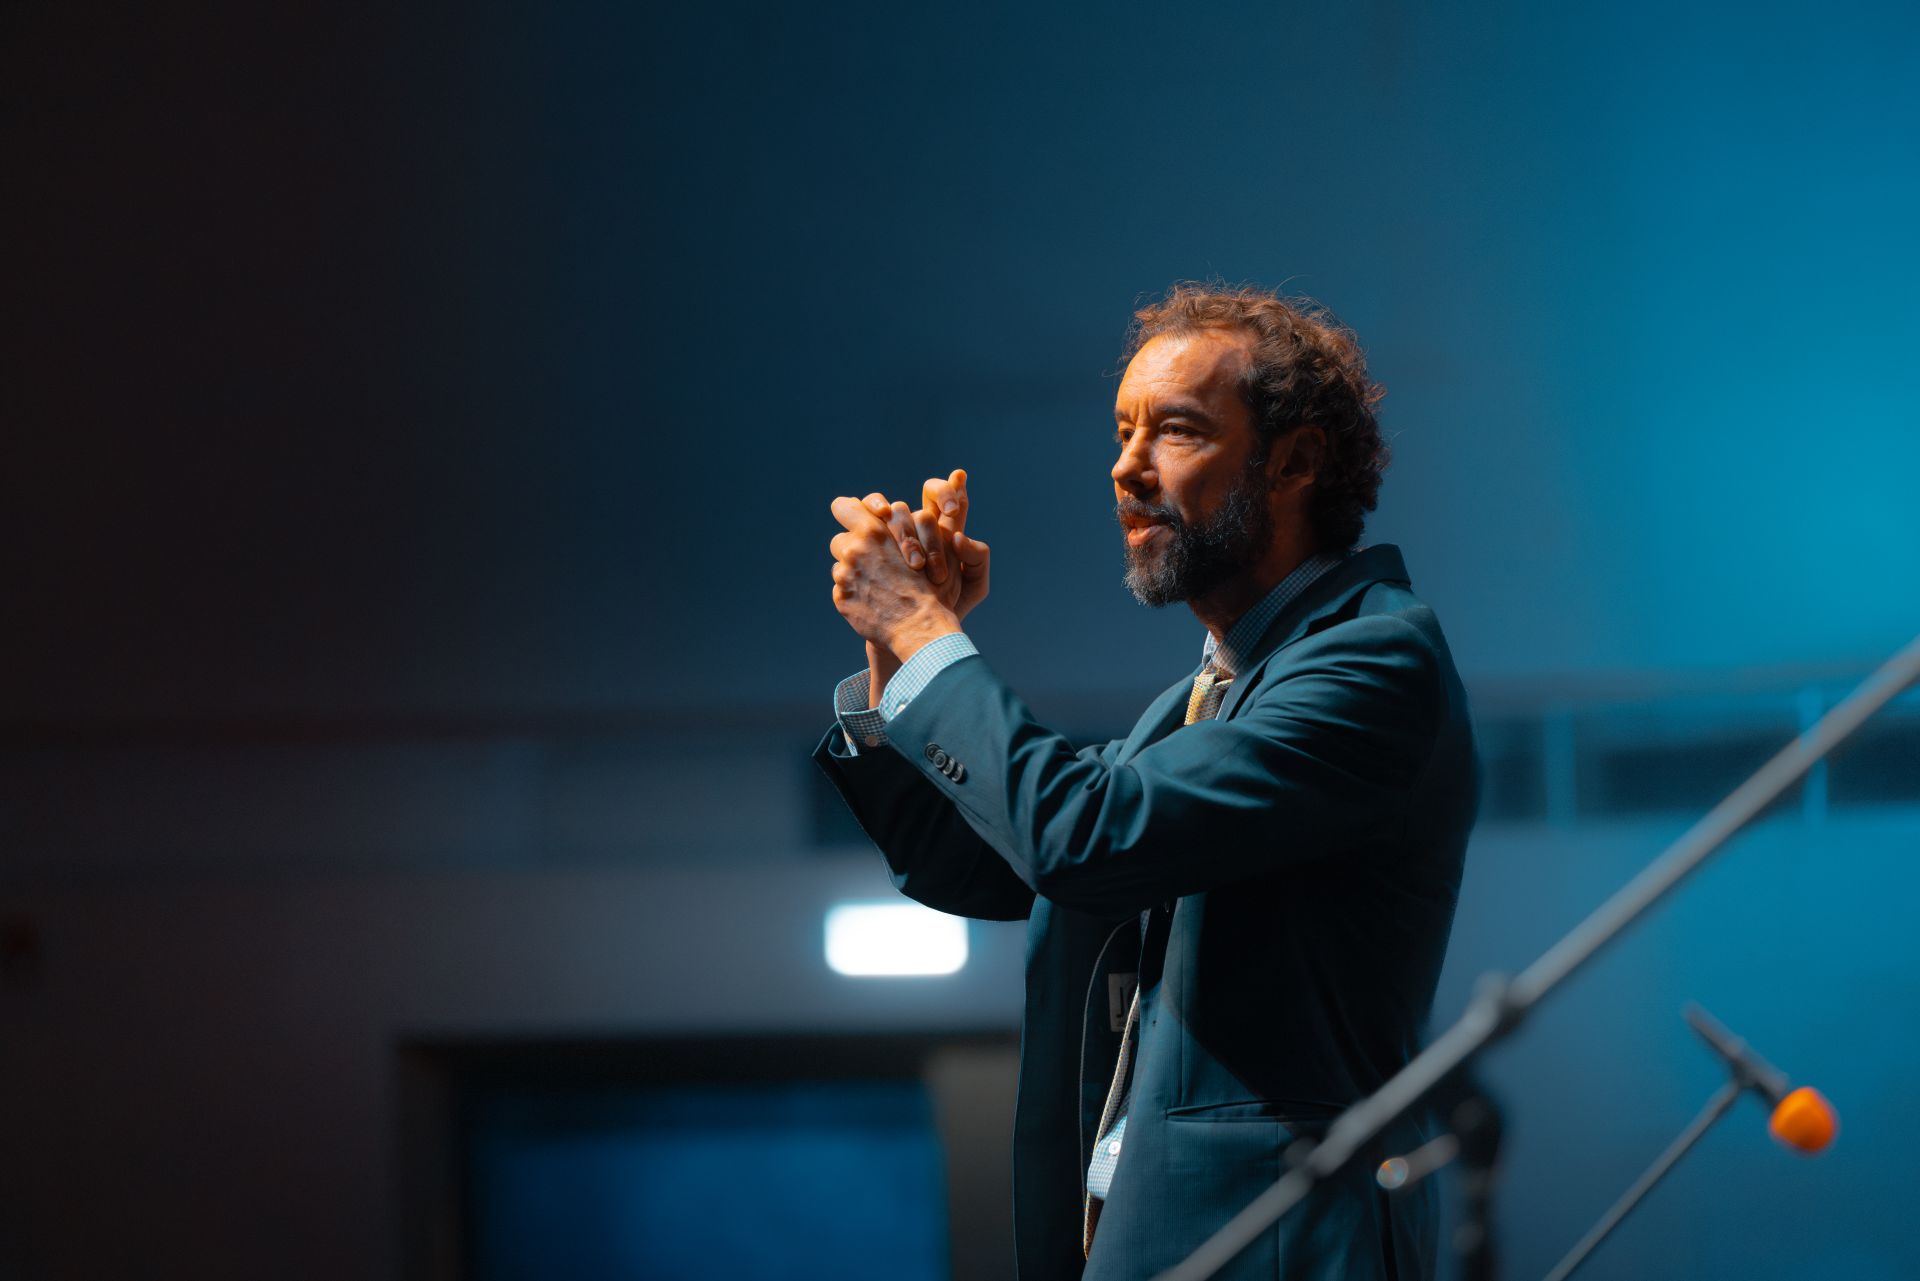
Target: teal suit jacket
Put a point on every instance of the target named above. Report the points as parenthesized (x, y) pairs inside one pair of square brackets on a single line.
[(1282, 878)]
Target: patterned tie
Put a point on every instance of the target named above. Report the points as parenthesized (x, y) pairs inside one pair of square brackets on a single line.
[(1209, 687)]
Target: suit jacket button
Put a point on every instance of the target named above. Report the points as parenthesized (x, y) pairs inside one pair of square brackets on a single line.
[(959, 774), (934, 753)]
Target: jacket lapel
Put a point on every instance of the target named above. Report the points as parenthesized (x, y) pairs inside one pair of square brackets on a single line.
[(1327, 595)]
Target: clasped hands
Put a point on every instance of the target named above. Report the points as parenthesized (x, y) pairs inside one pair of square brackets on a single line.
[(903, 577)]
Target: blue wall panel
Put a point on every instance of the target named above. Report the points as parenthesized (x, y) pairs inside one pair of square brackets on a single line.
[(755, 1183)]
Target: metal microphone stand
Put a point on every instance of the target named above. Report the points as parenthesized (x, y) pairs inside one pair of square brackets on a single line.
[(1503, 1004), (1477, 1125), (1749, 1072)]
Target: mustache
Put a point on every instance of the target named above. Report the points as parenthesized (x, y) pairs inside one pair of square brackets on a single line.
[(1138, 510)]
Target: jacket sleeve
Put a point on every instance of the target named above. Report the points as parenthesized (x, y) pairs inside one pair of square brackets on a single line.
[(932, 855), (1321, 755)]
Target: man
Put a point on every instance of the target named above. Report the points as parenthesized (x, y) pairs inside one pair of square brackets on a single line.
[(1274, 851)]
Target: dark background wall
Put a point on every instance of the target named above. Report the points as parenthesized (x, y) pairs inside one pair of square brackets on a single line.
[(506, 360), (418, 430)]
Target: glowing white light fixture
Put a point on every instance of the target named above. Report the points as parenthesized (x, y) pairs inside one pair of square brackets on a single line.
[(868, 940)]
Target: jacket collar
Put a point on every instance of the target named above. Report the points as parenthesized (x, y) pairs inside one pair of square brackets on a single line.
[(1327, 594)]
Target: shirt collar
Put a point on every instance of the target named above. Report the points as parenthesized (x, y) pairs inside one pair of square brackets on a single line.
[(1227, 655)]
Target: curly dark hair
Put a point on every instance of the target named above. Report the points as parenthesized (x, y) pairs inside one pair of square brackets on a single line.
[(1307, 368)]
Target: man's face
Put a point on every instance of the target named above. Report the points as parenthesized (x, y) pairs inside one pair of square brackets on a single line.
[(1190, 487)]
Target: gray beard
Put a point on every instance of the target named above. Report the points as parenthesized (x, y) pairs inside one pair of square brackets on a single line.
[(1197, 557)]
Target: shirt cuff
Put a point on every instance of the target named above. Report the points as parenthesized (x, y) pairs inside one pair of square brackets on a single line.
[(866, 726), (862, 726)]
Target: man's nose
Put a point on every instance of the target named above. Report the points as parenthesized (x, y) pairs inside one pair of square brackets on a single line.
[(1133, 470)]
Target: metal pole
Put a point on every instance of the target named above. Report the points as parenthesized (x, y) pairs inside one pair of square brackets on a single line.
[(1721, 822)]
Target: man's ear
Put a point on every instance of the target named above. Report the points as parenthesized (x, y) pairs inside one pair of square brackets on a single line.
[(1296, 458)]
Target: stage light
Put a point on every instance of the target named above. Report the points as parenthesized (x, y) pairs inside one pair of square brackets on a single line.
[(870, 940)]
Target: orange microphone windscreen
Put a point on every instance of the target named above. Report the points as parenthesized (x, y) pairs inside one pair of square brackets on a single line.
[(1804, 1120)]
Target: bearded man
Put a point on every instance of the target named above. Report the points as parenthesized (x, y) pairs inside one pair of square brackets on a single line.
[(1269, 862)]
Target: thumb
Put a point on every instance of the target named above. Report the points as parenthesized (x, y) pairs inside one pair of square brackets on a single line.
[(971, 553)]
